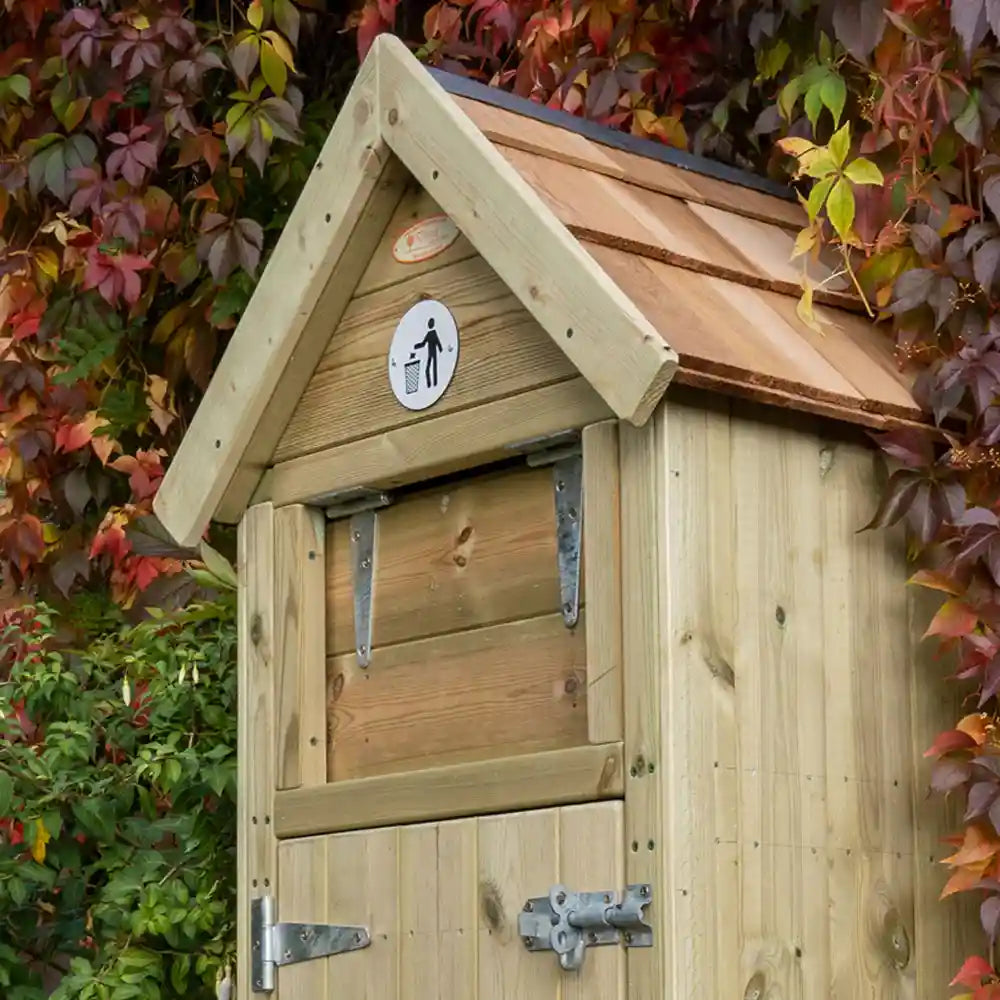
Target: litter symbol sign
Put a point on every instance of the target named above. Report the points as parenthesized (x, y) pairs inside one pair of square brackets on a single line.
[(423, 355)]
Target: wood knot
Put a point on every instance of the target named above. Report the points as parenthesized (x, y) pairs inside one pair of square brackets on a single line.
[(491, 904), (895, 940), (465, 534), (755, 988), (337, 687), (460, 560), (256, 629), (572, 685), (393, 116)]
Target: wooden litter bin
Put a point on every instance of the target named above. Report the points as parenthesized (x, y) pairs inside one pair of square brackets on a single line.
[(563, 670)]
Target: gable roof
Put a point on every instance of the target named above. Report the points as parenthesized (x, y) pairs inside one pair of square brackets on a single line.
[(641, 268)]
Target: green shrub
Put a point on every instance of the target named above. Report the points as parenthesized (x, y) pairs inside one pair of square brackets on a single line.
[(117, 801)]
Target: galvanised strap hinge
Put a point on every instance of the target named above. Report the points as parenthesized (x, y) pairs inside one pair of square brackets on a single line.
[(287, 944), (360, 505), (569, 922), (564, 452)]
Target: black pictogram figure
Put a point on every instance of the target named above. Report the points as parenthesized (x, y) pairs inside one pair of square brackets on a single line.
[(432, 343)]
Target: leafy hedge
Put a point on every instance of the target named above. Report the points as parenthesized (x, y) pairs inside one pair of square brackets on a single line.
[(118, 783)]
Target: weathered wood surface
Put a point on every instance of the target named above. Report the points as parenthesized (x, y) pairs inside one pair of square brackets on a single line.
[(300, 645), (442, 900), (473, 552), (256, 846), (503, 352), (555, 777), (792, 859), (437, 446), (491, 692)]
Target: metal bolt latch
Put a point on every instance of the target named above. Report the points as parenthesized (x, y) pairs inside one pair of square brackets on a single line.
[(569, 922)]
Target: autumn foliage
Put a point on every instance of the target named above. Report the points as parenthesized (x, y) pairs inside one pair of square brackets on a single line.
[(150, 152)]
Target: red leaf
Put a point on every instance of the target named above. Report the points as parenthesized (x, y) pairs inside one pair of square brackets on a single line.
[(950, 741), (972, 973), (953, 620)]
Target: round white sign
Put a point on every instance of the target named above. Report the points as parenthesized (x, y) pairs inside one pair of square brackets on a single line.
[(423, 355)]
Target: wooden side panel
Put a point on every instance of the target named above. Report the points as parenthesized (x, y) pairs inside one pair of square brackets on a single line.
[(442, 900), (502, 351), (256, 851), (300, 646), (788, 827)]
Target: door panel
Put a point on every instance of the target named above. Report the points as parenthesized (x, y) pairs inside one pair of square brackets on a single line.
[(441, 901)]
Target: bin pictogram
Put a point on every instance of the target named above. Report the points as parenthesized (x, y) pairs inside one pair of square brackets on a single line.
[(411, 374)]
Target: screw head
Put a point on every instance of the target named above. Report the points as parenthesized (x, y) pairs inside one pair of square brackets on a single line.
[(527, 942), (528, 907), (561, 898)]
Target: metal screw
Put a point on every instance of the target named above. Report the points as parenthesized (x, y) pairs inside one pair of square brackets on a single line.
[(607, 898), (628, 937), (561, 898), (365, 563), (288, 954), (527, 942), (528, 907), (358, 938), (643, 890), (356, 536), (560, 486), (592, 937)]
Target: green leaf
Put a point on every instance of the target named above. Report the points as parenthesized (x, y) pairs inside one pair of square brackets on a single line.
[(840, 208), (833, 93), (863, 171), (788, 97), (218, 566), (6, 794), (771, 61), (19, 85), (814, 104), (817, 196), (273, 68), (840, 143)]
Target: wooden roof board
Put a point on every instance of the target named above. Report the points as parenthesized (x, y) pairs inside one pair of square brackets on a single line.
[(745, 334)]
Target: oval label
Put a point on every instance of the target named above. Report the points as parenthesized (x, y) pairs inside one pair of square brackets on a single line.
[(423, 354), (425, 239)]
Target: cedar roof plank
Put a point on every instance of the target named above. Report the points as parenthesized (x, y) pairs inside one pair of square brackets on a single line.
[(753, 337), (505, 128)]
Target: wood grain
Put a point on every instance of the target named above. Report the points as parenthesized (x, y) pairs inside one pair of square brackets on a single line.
[(503, 351), (470, 553), (644, 541), (611, 343), (602, 581), (300, 645), (435, 447), (442, 900), (256, 846), (302, 866), (754, 337), (787, 684), (491, 692), (555, 777), (519, 132)]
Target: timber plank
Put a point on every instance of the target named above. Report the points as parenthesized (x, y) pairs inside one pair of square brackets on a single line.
[(491, 692), (503, 351), (451, 558), (555, 777)]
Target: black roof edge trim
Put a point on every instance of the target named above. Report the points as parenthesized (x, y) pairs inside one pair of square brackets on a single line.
[(462, 86)]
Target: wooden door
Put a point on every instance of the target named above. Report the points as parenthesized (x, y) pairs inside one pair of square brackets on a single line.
[(475, 761), (441, 902)]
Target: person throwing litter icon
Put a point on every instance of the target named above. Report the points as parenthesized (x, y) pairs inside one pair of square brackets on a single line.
[(432, 344)]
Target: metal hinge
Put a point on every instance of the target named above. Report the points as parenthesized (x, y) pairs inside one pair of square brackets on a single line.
[(288, 944), (569, 922), (564, 452), (360, 505)]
